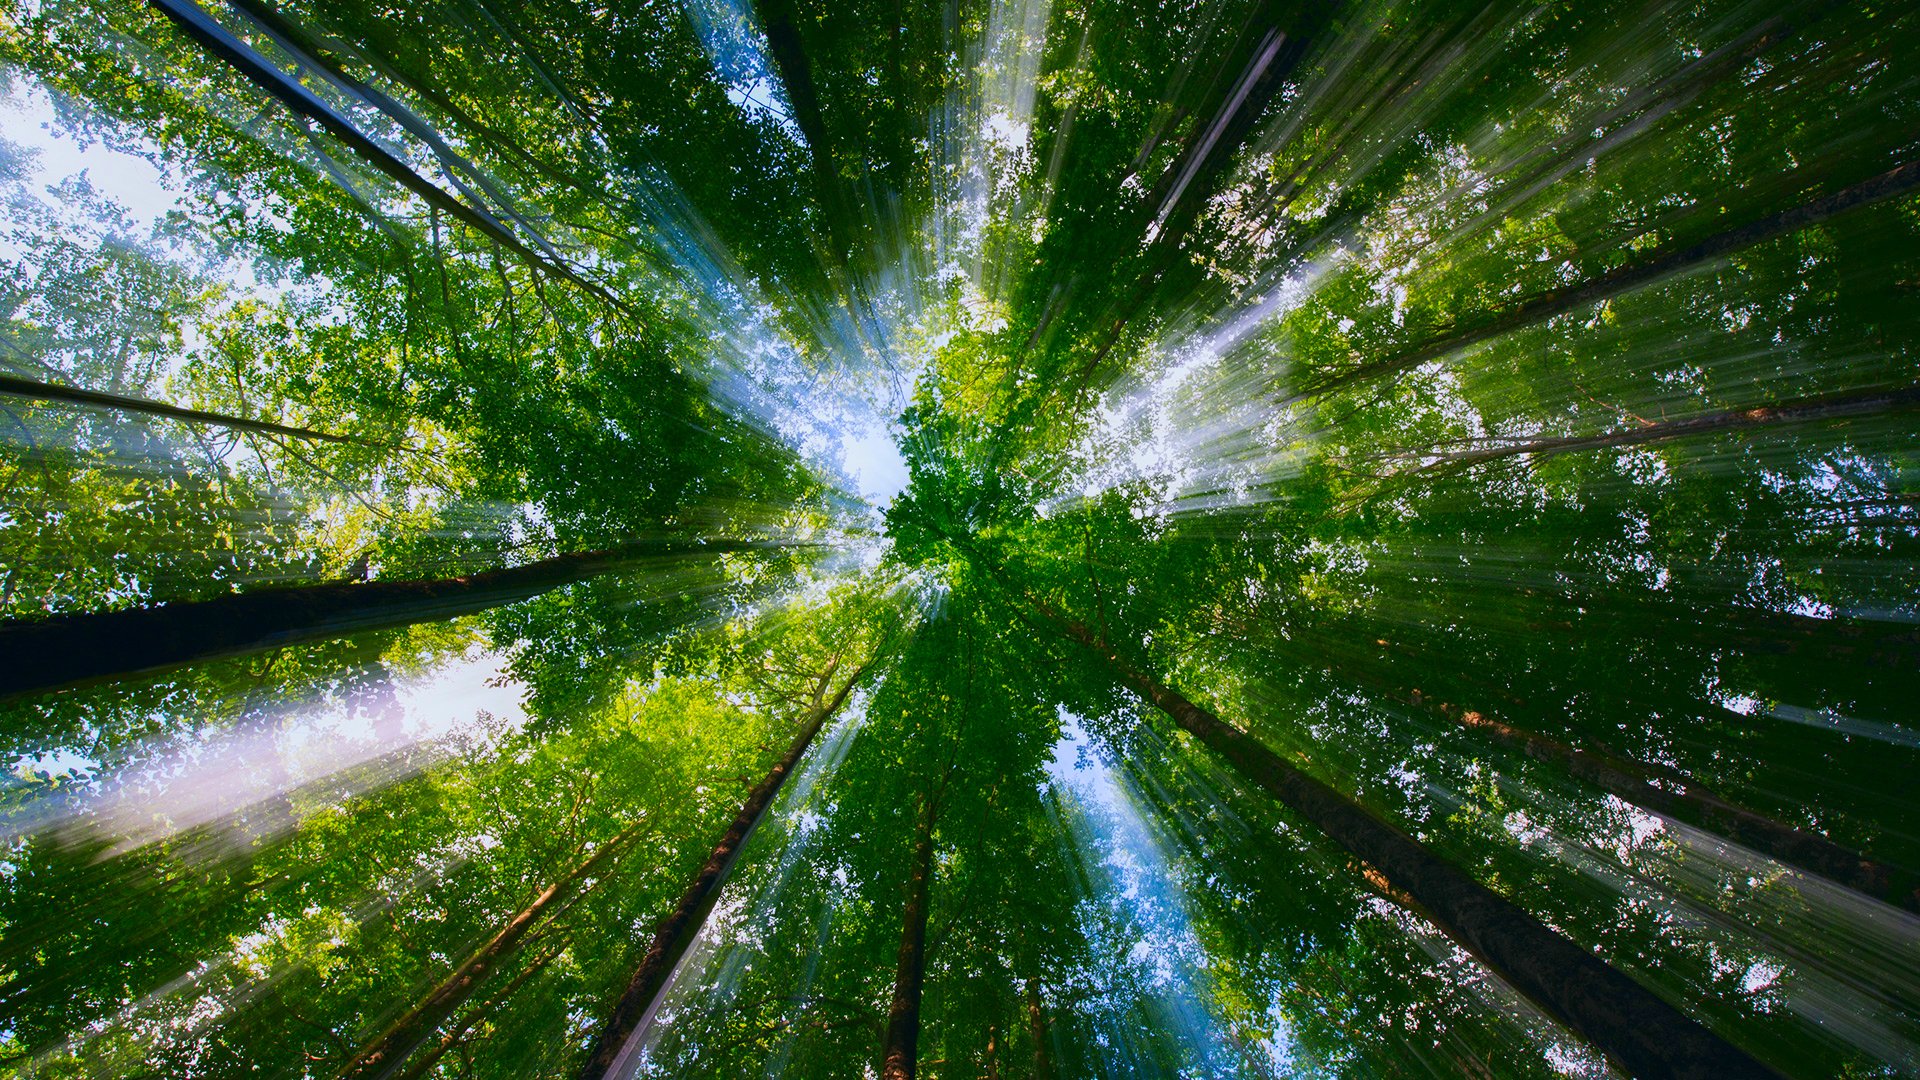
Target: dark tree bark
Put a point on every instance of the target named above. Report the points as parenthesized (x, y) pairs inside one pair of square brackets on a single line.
[(1854, 644), (382, 1057), (780, 19), (45, 391), (320, 52), (1037, 1031), (216, 40), (43, 654), (456, 1034), (1807, 410), (1633, 1027), (901, 1054), (1661, 263), (1674, 796), (676, 932)]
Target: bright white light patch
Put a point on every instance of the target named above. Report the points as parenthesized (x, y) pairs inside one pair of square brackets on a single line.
[(874, 461), (128, 179)]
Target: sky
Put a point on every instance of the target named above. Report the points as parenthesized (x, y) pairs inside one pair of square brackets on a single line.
[(873, 460), (27, 119)]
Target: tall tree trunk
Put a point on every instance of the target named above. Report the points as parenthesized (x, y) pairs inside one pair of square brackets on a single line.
[(422, 1064), (900, 1056), (1807, 410), (1643, 1034), (43, 654), (1661, 263), (780, 20), (1037, 1031), (1674, 796), (1659, 790), (307, 54), (675, 933), (215, 39), (46, 391), (1848, 642), (323, 54), (383, 1056)]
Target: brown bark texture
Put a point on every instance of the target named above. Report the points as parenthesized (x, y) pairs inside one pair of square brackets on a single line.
[(1673, 796), (38, 655), (456, 1034), (1660, 264), (46, 391), (901, 1054), (677, 931), (382, 1057), (1644, 1035), (1037, 1031), (1808, 410)]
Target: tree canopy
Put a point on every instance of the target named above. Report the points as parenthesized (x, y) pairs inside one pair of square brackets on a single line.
[(966, 540)]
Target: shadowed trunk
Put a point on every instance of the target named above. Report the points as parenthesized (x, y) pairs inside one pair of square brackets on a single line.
[(45, 391), (1037, 1031), (423, 1063), (1674, 796), (44, 654), (1644, 271), (780, 20), (1808, 410), (193, 21), (1636, 1029), (1657, 789), (900, 1056), (383, 1056), (324, 55), (676, 933)]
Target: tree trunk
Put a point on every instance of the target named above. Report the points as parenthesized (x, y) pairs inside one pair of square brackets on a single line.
[(1659, 790), (216, 40), (900, 1056), (455, 1035), (1037, 1031), (1644, 271), (382, 1057), (784, 44), (319, 52), (46, 391), (1849, 643), (675, 933), (1641, 1033), (1806, 410), (1676, 797), (43, 654)]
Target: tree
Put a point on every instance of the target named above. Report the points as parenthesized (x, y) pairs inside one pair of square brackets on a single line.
[(67, 649), (675, 932), (1645, 1035), (384, 1055), (1403, 567)]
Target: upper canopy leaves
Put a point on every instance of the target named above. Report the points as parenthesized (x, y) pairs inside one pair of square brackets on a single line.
[(1488, 409)]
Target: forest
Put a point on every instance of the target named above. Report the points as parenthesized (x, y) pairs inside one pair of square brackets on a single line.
[(959, 539)]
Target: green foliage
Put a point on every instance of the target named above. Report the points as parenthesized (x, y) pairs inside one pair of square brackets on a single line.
[(1316, 360)]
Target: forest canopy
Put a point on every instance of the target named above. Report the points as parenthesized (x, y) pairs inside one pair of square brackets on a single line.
[(966, 540)]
